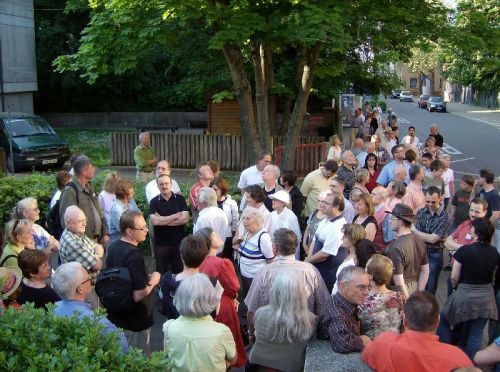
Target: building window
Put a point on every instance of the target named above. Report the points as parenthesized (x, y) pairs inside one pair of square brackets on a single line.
[(440, 83), (413, 83)]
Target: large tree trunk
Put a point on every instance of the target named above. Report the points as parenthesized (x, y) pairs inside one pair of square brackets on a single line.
[(287, 109), (268, 68), (293, 132), (236, 63), (261, 95)]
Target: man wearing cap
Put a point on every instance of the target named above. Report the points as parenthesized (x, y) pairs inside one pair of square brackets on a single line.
[(387, 173), (407, 253), (145, 158), (283, 217), (432, 226)]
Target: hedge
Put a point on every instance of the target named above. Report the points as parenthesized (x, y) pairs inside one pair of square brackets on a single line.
[(34, 340)]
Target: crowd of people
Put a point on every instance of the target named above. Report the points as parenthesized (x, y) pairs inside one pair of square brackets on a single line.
[(353, 255)]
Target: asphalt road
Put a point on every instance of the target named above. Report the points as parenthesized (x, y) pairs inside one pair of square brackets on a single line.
[(473, 145)]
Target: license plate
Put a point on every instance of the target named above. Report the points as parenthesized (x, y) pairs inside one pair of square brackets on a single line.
[(49, 161)]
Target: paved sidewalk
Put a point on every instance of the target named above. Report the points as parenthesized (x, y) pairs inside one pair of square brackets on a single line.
[(477, 113)]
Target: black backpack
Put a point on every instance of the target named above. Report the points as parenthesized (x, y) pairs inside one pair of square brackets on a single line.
[(114, 287), (53, 219)]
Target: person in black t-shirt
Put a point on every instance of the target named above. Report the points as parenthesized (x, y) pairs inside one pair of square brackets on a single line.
[(136, 323), (36, 269), (169, 215), (488, 192), (434, 132)]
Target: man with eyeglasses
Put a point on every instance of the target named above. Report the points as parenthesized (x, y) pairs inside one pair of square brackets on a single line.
[(169, 214), (387, 173), (138, 320), (76, 246), (344, 327), (432, 227), (73, 284), (408, 253)]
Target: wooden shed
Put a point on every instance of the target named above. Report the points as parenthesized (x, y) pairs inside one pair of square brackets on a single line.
[(224, 117)]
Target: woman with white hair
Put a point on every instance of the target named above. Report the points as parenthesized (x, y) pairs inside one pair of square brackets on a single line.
[(282, 216), (254, 247), (28, 208), (284, 326), (448, 179), (19, 234), (194, 341), (362, 178), (335, 151)]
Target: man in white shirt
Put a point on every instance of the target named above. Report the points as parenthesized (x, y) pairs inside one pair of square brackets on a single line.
[(337, 185), (253, 175), (327, 252), (152, 190), (210, 214), (411, 138)]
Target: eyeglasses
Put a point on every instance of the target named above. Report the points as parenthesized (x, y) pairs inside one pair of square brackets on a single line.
[(431, 202), (88, 280), (324, 202), (145, 228)]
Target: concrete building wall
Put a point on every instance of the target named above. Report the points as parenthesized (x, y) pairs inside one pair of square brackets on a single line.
[(17, 35)]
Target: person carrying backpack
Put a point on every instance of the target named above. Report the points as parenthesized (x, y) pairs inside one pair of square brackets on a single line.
[(124, 287), (79, 192)]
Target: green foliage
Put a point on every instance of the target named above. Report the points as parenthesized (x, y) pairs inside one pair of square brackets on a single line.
[(12, 189), (35, 340), (471, 52), (221, 96)]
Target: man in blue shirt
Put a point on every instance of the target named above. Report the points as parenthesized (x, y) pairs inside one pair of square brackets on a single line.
[(72, 283), (387, 173)]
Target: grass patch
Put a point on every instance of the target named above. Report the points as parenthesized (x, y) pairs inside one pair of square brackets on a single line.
[(95, 143)]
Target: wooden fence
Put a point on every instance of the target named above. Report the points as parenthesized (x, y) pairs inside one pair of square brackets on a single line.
[(187, 150)]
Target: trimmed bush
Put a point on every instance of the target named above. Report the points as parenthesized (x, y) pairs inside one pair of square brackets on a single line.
[(34, 340), (12, 189)]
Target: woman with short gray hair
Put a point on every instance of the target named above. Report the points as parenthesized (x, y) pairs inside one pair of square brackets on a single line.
[(281, 336), (211, 344), (254, 247)]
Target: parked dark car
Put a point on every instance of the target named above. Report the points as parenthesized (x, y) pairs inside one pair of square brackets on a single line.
[(422, 100), (395, 93), (34, 142), (436, 104)]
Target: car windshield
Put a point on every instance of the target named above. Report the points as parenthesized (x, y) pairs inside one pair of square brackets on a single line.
[(425, 97), (436, 99), (28, 127), (406, 93)]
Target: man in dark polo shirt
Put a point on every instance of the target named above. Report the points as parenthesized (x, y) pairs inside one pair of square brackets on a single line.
[(169, 215), (432, 227), (137, 321)]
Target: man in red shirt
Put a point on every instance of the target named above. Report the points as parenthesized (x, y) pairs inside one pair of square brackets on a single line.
[(417, 349)]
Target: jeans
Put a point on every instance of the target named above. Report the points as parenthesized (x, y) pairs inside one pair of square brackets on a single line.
[(435, 266), (471, 336)]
